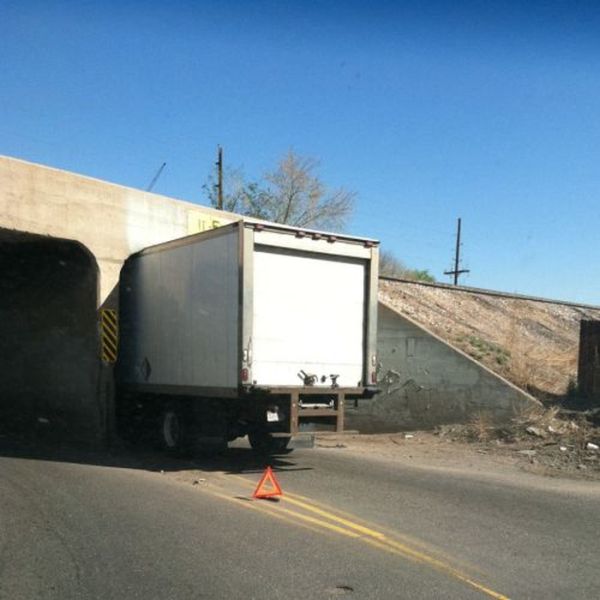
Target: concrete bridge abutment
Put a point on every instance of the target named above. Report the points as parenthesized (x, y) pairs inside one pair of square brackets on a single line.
[(49, 370)]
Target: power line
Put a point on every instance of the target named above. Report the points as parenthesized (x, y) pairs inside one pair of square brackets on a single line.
[(457, 270)]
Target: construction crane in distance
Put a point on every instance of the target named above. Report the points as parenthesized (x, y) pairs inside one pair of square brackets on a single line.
[(155, 178)]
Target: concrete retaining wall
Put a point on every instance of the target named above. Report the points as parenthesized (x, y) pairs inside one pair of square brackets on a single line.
[(426, 382)]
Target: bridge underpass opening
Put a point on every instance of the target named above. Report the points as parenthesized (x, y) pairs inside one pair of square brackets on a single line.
[(49, 362)]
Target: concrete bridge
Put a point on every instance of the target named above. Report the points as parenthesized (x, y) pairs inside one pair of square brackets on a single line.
[(104, 221), (63, 240)]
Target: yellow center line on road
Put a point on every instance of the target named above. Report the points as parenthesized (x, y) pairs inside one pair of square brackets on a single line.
[(284, 514), (443, 568), (260, 508), (406, 539), (385, 543), (372, 537)]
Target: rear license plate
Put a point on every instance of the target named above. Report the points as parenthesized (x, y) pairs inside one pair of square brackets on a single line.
[(272, 416)]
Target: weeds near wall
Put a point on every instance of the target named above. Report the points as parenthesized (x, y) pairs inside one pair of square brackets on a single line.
[(533, 367), (483, 350), (480, 428)]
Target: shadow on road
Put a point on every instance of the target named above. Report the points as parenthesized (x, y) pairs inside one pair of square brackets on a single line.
[(237, 460)]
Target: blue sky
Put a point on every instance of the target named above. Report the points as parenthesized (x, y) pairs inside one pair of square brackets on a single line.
[(429, 111)]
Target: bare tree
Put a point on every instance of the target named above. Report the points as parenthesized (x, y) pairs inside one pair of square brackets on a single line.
[(392, 266), (296, 196), (292, 194), (237, 192)]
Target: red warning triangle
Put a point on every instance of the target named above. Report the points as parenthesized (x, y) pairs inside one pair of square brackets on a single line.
[(268, 486)]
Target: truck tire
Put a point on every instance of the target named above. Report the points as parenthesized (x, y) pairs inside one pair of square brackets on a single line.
[(263, 442), (171, 431)]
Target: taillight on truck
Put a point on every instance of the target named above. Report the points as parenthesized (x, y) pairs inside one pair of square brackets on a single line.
[(245, 374), (373, 377)]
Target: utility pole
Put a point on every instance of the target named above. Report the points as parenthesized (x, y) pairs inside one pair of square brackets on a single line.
[(457, 270), (219, 164)]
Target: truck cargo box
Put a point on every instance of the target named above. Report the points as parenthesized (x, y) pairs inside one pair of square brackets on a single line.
[(250, 307)]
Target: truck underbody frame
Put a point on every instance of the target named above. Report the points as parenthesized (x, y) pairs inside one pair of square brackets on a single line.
[(312, 404)]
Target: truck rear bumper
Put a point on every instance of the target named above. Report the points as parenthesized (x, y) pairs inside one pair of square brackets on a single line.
[(315, 405)]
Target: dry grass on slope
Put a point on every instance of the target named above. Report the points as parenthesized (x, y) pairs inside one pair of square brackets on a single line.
[(534, 344)]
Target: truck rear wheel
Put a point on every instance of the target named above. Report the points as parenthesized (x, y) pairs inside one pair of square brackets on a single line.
[(171, 430), (264, 443)]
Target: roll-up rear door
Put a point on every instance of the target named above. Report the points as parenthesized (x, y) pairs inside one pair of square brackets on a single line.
[(308, 315)]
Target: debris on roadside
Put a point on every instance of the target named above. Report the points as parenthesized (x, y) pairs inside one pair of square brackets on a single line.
[(527, 452), (400, 439), (331, 445), (553, 438), (537, 432)]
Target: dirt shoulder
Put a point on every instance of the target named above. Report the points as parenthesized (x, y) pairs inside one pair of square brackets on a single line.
[(449, 450)]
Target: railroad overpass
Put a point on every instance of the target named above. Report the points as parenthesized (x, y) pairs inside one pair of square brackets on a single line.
[(63, 240)]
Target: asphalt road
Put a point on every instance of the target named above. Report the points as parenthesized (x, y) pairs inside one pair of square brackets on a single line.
[(137, 525)]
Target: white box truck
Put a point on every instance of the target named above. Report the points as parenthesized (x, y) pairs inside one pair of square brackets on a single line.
[(249, 329)]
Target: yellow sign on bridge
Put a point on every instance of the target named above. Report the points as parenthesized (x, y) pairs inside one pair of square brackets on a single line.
[(199, 221)]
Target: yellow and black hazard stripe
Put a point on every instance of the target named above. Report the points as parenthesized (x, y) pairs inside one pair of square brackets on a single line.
[(109, 327)]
